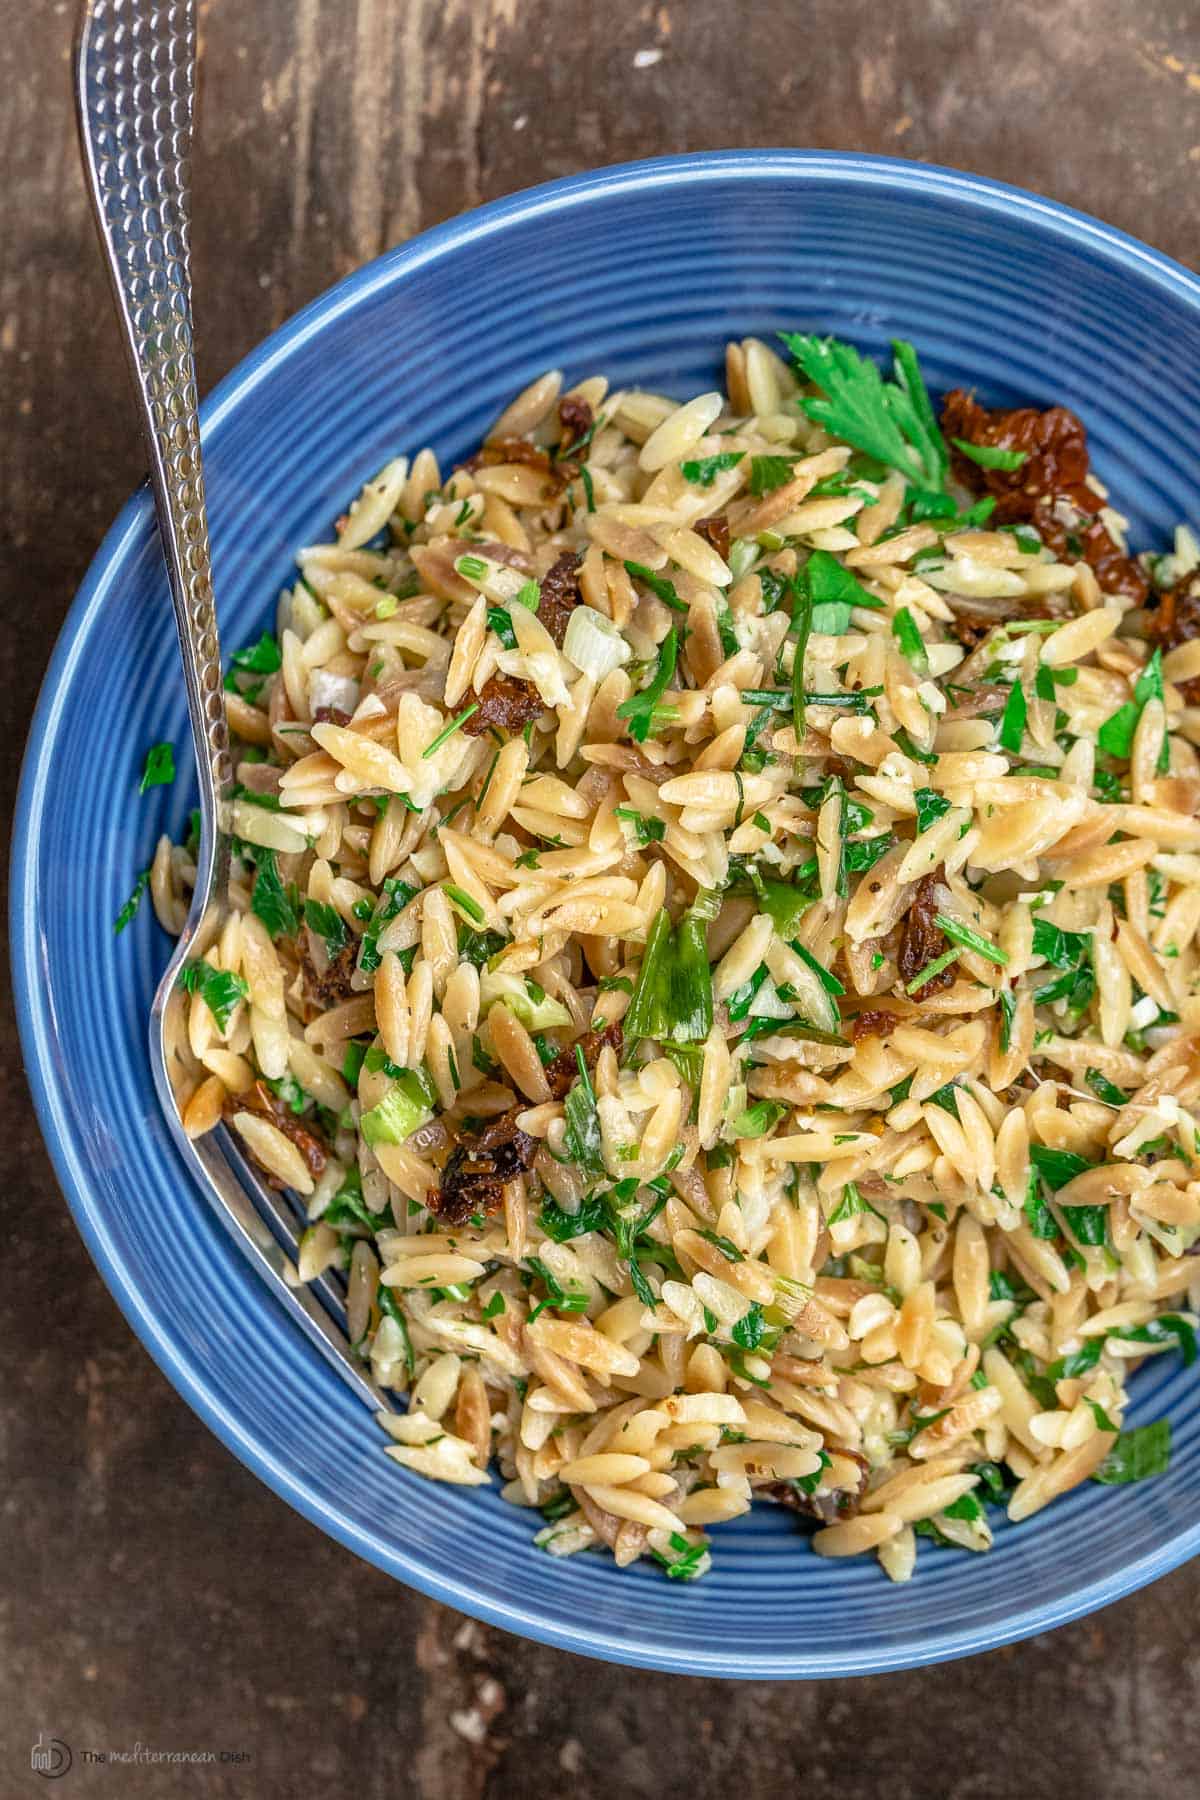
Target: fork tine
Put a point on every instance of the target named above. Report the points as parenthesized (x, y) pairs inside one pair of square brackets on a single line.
[(263, 1223)]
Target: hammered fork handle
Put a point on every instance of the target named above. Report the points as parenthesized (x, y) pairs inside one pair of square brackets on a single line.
[(135, 89)]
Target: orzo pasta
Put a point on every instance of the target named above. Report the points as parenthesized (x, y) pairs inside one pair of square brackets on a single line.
[(715, 950)]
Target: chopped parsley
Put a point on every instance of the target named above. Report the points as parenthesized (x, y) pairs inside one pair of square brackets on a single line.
[(276, 905), (1137, 1455), (1115, 736), (704, 471), (930, 807), (833, 592), (1012, 720), (326, 922), (768, 473), (129, 910), (645, 830), (159, 770), (220, 989), (394, 898)]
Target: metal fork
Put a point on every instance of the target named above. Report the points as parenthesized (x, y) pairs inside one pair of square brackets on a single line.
[(135, 82)]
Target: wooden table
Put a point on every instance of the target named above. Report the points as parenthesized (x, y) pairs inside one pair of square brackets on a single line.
[(156, 1591)]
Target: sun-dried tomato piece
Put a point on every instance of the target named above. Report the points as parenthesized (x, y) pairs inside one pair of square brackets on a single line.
[(506, 702), (924, 940), (329, 986), (1069, 525), (829, 1509), (874, 1021), (560, 594), (311, 1144), (561, 1073), (575, 417), (1049, 490), (497, 451), (1054, 444), (1175, 620), (714, 529), (477, 1169)]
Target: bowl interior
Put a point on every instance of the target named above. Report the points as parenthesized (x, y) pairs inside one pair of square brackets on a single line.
[(642, 274)]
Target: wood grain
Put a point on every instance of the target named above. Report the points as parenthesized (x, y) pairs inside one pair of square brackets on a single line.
[(153, 1589)]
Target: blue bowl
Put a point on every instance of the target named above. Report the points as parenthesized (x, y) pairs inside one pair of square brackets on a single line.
[(642, 272)]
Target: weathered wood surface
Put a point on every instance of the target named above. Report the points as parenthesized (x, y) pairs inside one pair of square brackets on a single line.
[(154, 1590)]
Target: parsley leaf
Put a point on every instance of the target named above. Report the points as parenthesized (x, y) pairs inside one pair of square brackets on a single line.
[(1104, 1089), (645, 830), (219, 989), (891, 421), (395, 897), (833, 591), (160, 767), (1137, 1455), (328, 924), (278, 907), (930, 806), (768, 473), (704, 471), (129, 910)]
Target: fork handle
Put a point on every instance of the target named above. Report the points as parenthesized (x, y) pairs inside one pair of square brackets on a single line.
[(135, 83)]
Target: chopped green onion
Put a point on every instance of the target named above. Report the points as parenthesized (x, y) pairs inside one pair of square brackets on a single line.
[(464, 901), (449, 730), (663, 589), (581, 1137), (1012, 722), (407, 1105), (907, 634), (673, 998), (959, 933), (930, 970), (989, 456), (643, 712)]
